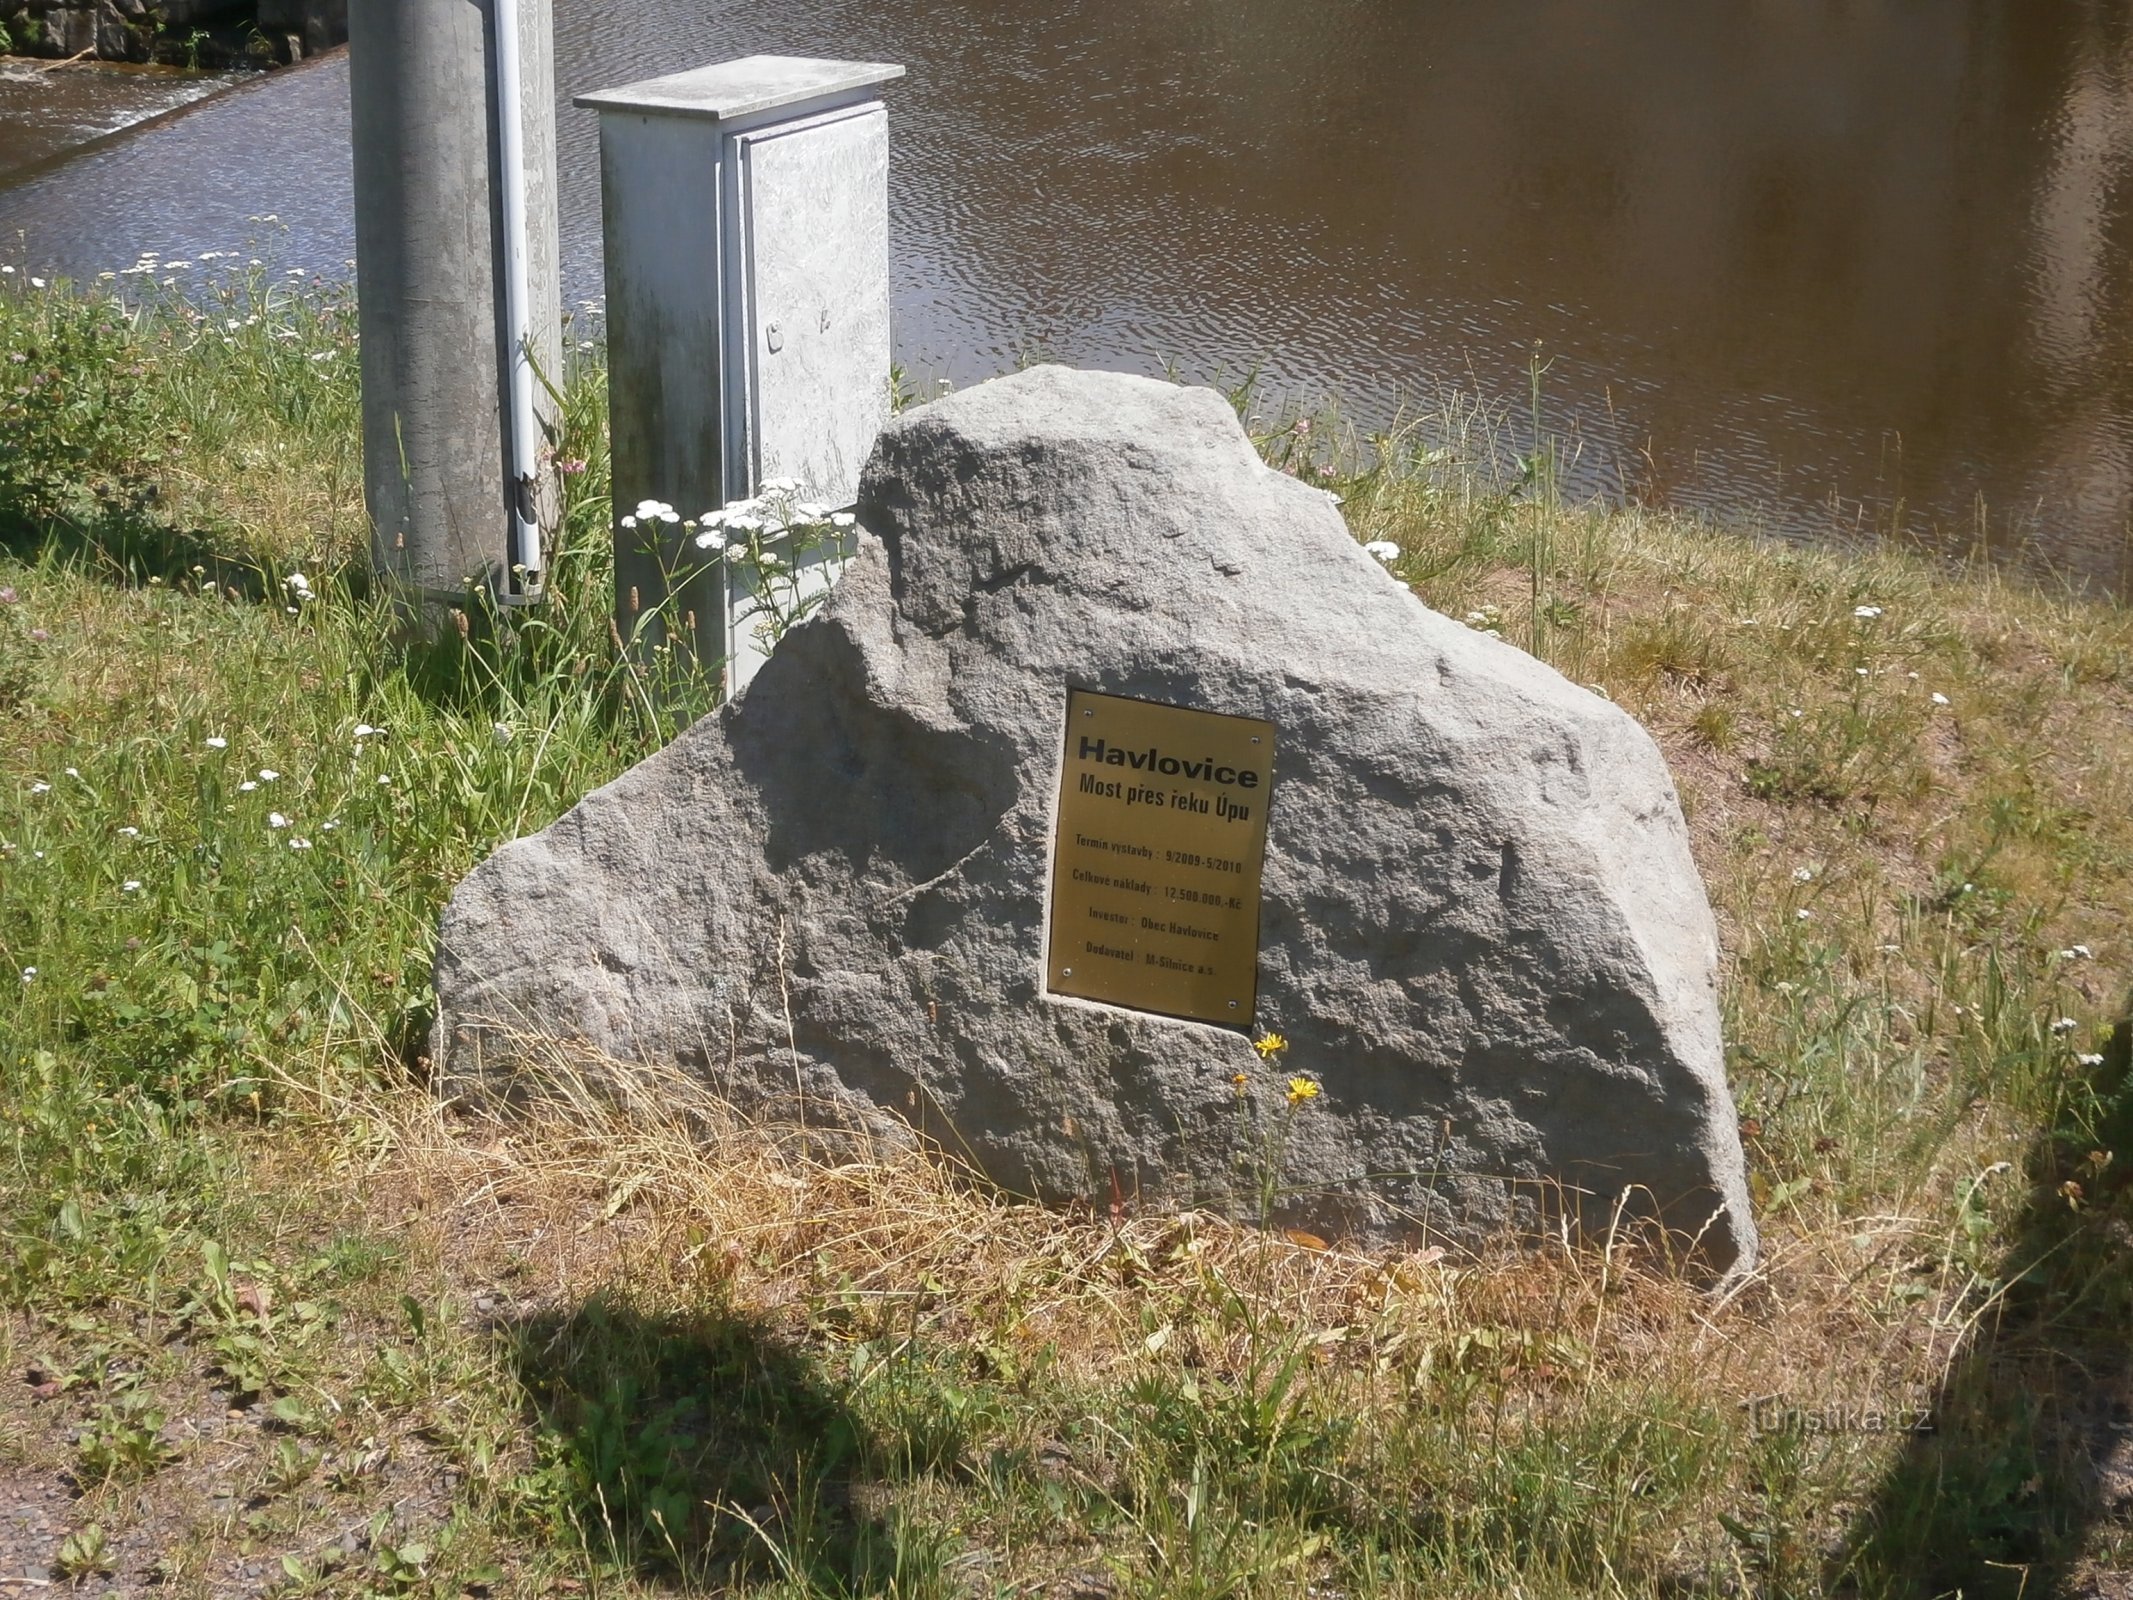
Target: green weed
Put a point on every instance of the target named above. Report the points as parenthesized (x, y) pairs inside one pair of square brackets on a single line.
[(84, 1553), (123, 1442)]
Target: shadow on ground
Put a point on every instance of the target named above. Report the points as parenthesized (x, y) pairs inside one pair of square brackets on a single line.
[(707, 1449), (458, 658), (130, 545), (2024, 1486)]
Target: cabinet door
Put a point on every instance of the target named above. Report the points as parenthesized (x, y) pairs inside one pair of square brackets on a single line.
[(814, 301)]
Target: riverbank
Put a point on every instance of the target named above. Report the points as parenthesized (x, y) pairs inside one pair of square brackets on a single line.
[(209, 34), (276, 1322)]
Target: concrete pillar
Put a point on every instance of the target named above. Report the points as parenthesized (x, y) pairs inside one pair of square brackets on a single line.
[(428, 257), (745, 220)]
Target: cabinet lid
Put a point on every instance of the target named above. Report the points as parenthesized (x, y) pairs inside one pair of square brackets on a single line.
[(743, 88)]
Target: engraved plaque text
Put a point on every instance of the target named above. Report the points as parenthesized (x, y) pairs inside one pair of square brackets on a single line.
[(1155, 869)]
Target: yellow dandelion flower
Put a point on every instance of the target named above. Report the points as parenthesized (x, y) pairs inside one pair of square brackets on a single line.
[(1300, 1090), (1269, 1045)]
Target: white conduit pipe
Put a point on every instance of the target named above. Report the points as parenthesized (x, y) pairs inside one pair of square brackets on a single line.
[(524, 581)]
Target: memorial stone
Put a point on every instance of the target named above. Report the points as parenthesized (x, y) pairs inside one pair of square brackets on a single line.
[(1111, 753)]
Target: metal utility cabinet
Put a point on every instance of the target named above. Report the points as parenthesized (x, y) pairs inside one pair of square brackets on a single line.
[(745, 208)]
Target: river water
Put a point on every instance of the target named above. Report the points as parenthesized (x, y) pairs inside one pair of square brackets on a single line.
[(1840, 267)]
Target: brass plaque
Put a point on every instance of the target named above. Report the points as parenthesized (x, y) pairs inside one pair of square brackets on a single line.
[(1155, 869)]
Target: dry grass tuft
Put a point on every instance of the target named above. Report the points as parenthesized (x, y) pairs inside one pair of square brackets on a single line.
[(639, 1180)]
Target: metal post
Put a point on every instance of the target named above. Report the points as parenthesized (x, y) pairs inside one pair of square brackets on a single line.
[(745, 217), (435, 304)]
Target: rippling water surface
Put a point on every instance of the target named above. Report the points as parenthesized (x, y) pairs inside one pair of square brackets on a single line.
[(1848, 266)]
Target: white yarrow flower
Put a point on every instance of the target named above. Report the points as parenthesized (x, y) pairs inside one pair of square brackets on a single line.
[(2090, 1058), (1803, 874), (711, 539), (129, 833), (247, 786), (40, 787), (2077, 952), (1383, 549), (1866, 613), (268, 775), (2065, 1025), (29, 974), (276, 820), (299, 844), (130, 886), (1939, 699), (217, 743)]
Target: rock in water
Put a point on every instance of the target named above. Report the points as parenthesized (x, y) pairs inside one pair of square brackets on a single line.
[(1481, 929)]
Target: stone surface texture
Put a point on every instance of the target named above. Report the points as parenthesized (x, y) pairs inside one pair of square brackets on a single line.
[(1481, 931)]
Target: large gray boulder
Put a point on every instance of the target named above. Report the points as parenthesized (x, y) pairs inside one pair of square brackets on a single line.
[(1482, 931)]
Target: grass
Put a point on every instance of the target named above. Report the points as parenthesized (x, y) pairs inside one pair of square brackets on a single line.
[(276, 1321)]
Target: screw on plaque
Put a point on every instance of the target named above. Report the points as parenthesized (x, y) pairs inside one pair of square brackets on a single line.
[(774, 337)]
